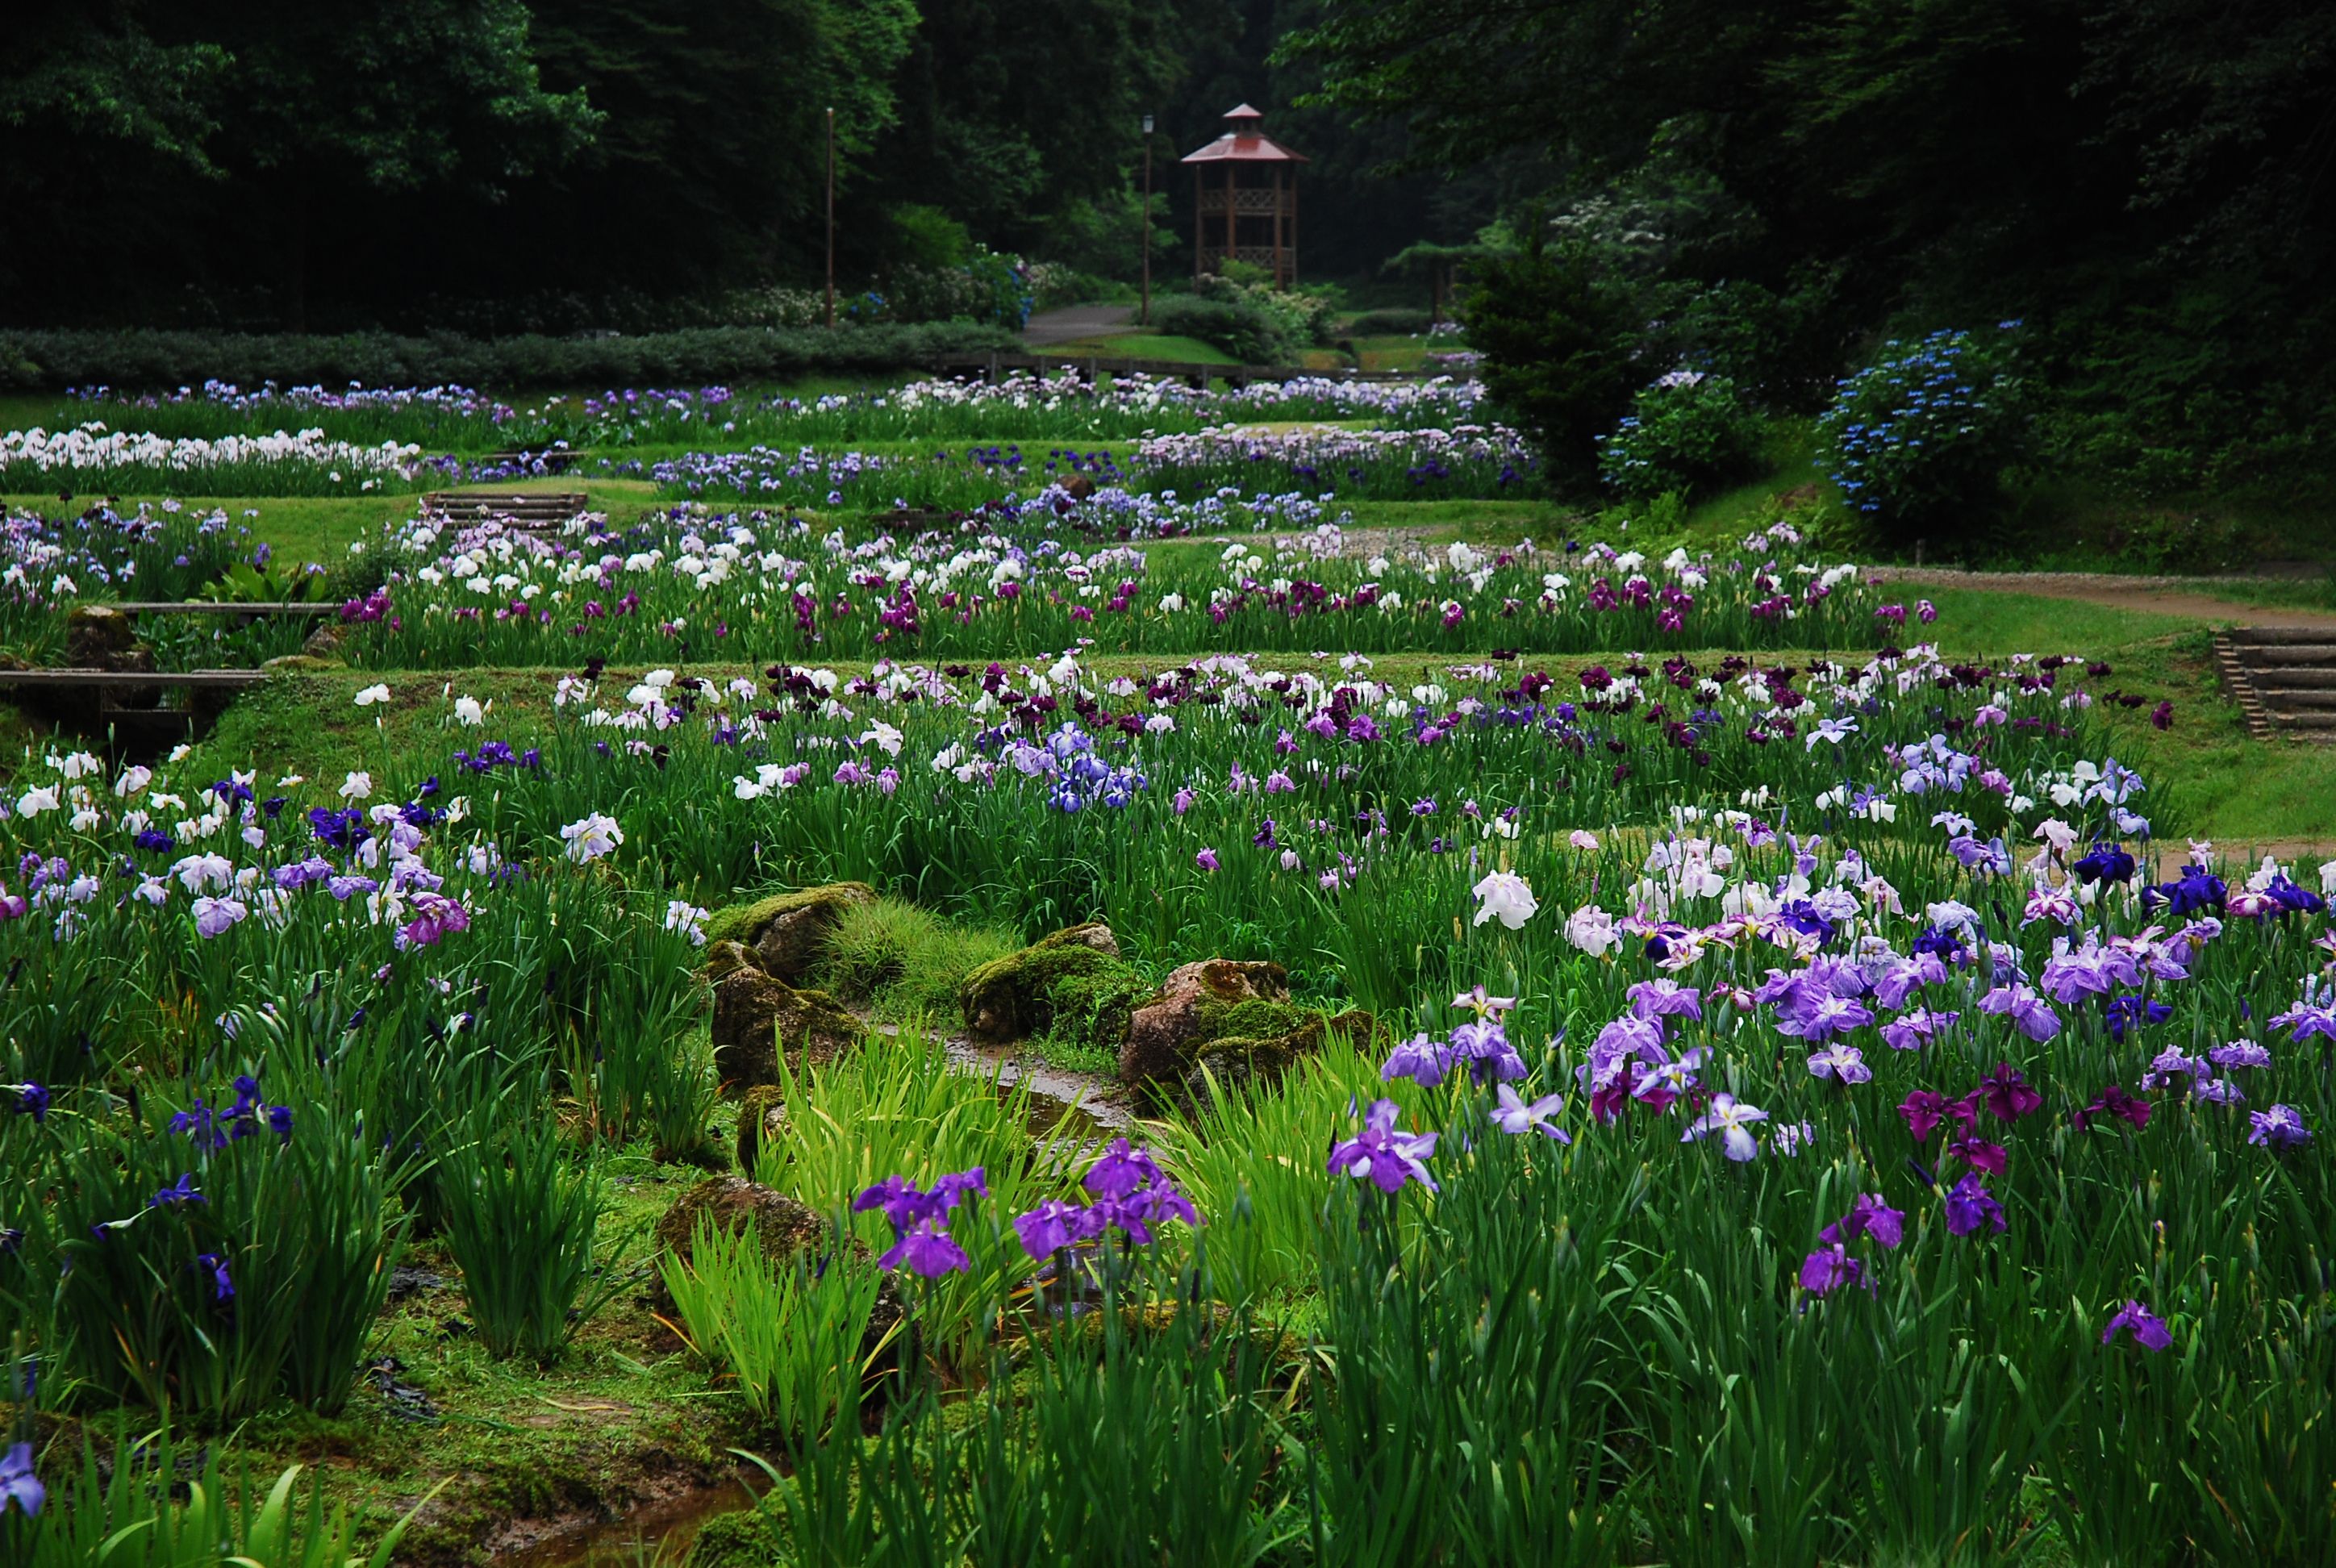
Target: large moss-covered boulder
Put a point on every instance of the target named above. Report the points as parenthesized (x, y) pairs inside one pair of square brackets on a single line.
[(756, 1015), (1240, 1061), (1073, 979), (1196, 1004), (787, 930)]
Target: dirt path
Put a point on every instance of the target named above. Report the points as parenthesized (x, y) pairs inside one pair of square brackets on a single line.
[(2182, 596), (1048, 327)]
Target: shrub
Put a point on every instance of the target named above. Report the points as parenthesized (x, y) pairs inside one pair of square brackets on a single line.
[(791, 1336), (1688, 431), (1387, 323), (1920, 437), (1557, 338), (1237, 327), (146, 361)]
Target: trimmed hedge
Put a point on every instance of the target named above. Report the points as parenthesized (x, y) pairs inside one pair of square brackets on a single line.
[(1236, 326), (152, 361)]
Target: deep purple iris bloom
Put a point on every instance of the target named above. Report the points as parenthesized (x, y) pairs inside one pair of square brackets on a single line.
[(32, 1100), (1051, 1227), (1970, 1205), (2114, 1101), (222, 1288), (928, 1252), (183, 1191), (2124, 1012), (2106, 863), (2196, 890), (2007, 1094), (1869, 1216), (2149, 1329), (1828, 1268)]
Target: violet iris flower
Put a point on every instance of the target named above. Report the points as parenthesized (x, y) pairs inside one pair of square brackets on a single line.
[(18, 1484), (222, 1288), (2007, 1094), (2280, 1128), (928, 1252), (2030, 1014), (1384, 1156), (1869, 1216), (1051, 1227), (1970, 1205), (1120, 1171), (1732, 1119), (1513, 1116), (1924, 1109), (2149, 1329), (1845, 1064), (32, 1100), (180, 1192), (1425, 1061), (1828, 1268)]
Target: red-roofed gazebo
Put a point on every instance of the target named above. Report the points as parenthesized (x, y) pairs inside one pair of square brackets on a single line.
[(1245, 200)]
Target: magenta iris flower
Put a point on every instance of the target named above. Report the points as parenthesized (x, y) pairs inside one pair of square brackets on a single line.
[(1970, 1205), (2149, 1329), (1979, 1154), (2007, 1095), (1924, 1109), (1382, 1156)]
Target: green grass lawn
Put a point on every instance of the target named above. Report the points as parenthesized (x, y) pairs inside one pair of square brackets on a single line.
[(1145, 346)]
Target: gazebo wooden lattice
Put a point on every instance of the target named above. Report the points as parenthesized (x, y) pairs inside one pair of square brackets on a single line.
[(1249, 213)]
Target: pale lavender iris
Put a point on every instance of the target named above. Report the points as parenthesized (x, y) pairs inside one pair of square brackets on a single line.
[(1382, 1156)]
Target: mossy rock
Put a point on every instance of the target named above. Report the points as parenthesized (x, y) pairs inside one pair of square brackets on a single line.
[(762, 1116), (785, 1226), (745, 1539), (1199, 1002), (756, 1015), (1072, 984), (786, 929), (1236, 1061)]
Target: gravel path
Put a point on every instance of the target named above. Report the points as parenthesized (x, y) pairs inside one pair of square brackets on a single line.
[(1048, 327), (2184, 596)]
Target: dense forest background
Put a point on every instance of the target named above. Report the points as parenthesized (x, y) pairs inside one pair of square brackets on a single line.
[(1765, 189), (493, 164)]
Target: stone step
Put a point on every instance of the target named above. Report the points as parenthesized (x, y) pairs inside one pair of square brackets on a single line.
[(2262, 656), (2294, 677), (2276, 636), (2279, 701), (2321, 723)]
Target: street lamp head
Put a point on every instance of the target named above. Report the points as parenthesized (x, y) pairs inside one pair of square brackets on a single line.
[(1147, 125)]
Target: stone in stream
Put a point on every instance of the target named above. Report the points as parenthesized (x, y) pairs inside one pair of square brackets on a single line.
[(1075, 974), (1194, 1005), (99, 636)]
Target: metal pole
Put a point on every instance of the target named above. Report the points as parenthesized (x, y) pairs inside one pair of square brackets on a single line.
[(1146, 317), (830, 219)]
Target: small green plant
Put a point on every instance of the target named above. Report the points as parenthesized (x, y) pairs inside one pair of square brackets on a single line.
[(523, 1221), (124, 1514), (904, 961), (794, 1336)]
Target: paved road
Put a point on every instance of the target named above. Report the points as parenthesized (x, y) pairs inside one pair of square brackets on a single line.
[(1048, 327)]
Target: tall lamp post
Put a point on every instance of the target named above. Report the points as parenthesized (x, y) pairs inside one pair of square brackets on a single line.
[(1146, 317)]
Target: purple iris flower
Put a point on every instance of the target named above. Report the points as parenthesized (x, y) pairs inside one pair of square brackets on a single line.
[(2104, 862), (1869, 1216), (1900, 980), (2280, 1128), (18, 1484), (32, 1100), (222, 1288), (1970, 1205), (1828, 1268), (1516, 1117), (2030, 1014), (1384, 1156), (2194, 891), (1661, 999), (183, 1191), (1120, 1171), (928, 1252), (1425, 1061), (2006, 1093), (2149, 1329), (1051, 1227), (1484, 1046), (1844, 1064), (2313, 1014), (1912, 1031), (2124, 1012)]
